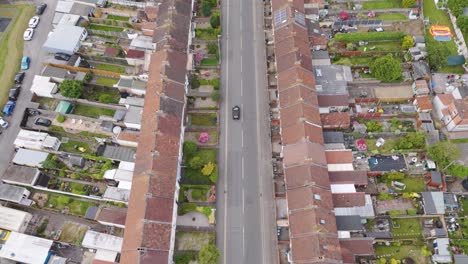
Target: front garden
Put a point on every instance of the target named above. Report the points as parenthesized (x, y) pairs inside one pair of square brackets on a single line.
[(66, 204)]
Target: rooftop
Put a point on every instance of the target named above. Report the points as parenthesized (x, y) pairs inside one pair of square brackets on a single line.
[(118, 153), (349, 199), (12, 193), (96, 240), (32, 158), (331, 137), (349, 223), (21, 175), (433, 202), (12, 219), (64, 37), (332, 79), (112, 215), (14, 248), (133, 115), (336, 120), (354, 177)]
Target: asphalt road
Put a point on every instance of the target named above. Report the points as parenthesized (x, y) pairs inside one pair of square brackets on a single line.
[(33, 49), (246, 230)]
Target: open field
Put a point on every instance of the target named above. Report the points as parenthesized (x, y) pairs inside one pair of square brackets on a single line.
[(11, 44)]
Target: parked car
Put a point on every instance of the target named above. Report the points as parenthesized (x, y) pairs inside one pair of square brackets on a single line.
[(25, 63), (40, 8), (14, 93), (4, 123), (380, 142), (42, 122), (33, 22), (378, 29), (8, 108), (28, 34), (236, 112), (19, 77), (4, 234), (62, 56), (33, 112)]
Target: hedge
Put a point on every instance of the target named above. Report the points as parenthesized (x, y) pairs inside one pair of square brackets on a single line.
[(369, 36)]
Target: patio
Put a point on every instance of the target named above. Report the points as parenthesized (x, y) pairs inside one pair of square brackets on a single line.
[(387, 163)]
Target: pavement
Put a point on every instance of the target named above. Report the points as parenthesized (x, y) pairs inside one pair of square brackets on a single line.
[(33, 49), (246, 231)]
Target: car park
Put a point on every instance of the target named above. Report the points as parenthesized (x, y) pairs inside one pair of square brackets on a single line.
[(19, 77), (3, 123), (25, 63), (14, 93), (28, 34), (33, 22), (40, 121), (62, 56), (40, 8), (8, 108), (236, 112)]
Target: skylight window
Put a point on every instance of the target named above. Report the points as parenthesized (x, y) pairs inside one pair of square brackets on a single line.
[(280, 16), (299, 17)]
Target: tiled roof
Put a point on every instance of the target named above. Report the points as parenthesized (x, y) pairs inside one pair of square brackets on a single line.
[(349, 199), (312, 223), (112, 215), (135, 54), (446, 99), (353, 247), (336, 120), (423, 102), (339, 156), (149, 222), (354, 177), (333, 100), (151, 12)]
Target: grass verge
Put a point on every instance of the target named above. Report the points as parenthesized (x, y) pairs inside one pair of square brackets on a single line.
[(106, 81), (381, 4), (105, 28), (92, 111), (203, 119), (119, 18), (110, 67)]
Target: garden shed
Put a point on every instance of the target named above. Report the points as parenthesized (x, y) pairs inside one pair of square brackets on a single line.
[(455, 60), (64, 107)]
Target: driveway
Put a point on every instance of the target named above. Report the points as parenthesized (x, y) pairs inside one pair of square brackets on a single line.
[(33, 49)]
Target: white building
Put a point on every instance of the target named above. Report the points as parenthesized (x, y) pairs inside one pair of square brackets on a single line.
[(132, 117), (15, 194), (14, 220), (36, 140), (42, 86), (31, 158), (65, 39), (107, 246), (25, 249)]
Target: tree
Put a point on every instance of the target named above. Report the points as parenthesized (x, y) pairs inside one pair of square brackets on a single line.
[(190, 148), (437, 55), (208, 168), (106, 98), (395, 176), (206, 9), (394, 261), (196, 163), (408, 3), (443, 153), (407, 42), (382, 261), (462, 23), (88, 77), (212, 48), (373, 126), (215, 19), (425, 252), (60, 118), (215, 96), (194, 81), (386, 68), (214, 175), (71, 88), (458, 170), (412, 140), (50, 162), (456, 6), (208, 254)]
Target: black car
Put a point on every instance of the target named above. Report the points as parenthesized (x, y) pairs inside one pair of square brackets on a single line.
[(19, 77), (42, 122), (62, 56), (14, 93), (33, 112), (236, 112), (40, 9)]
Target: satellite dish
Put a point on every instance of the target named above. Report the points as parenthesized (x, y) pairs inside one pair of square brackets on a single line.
[(116, 130)]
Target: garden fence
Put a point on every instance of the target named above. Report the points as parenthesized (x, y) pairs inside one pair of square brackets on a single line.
[(120, 61), (93, 71), (132, 3)]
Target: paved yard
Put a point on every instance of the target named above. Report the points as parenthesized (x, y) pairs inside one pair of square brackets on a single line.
[(390, 205), (387, 163), (195, 219)]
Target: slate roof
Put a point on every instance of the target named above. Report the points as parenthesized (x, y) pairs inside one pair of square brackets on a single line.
[(433, 202), (355, 177), (349, 223), (331, 137)]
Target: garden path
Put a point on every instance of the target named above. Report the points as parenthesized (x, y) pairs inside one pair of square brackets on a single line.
[(195, 219)]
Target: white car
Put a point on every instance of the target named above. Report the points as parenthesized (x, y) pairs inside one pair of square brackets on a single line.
[(33, 22), (28, 34), (3, 123)]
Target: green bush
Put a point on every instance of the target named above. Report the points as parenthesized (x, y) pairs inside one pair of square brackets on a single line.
[(206, 211), (458, 170), (212, 48), (65, 200), (214, 175), (215, 19), (194, 81), (369, 36), (197, 194), (186, 208), (88, 77), (394, 213), (384, 196), (106, 98), (395, 176), (206, 9), (215, 96), (184, 258), (60, 118), (190, 148), (411, 211), (386, 68), (196, 163)]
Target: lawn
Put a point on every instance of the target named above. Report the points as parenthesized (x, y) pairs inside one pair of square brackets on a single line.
[(73, 233), (382, 4), (103, 95), (11, 44), (105, 28), (76, 206), (203, 119), (390, 144), (391, 16), (206, 33), (382, 46), (193, 240), (464, 206), (119, 18), (110, 67), (351, 61), (47, 103), (401, 252), (73, 147), (209, 62), (406, 228), (106, 81), (413, 184), (440, 17), (92, 111)]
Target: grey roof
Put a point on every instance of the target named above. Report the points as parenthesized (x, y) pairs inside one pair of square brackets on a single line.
[(11, 193), (130, 83), (381, 235), (349, 223), (450, 200), (119, 115), (125, 82), (440, 232), (81, 9), (64, 38), (22, 175), (91, 212), (332, 79), (133, 115), (460, 258), (76, 161), (433, 202), (119, 153), (331, 137), (142, 42), (136, 101), (320, 54), (419, 39), (436, 177), (109, 125), (425, 117), (50, 71), (28, 157), (428, 126), (433, 137), (420, 70)]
